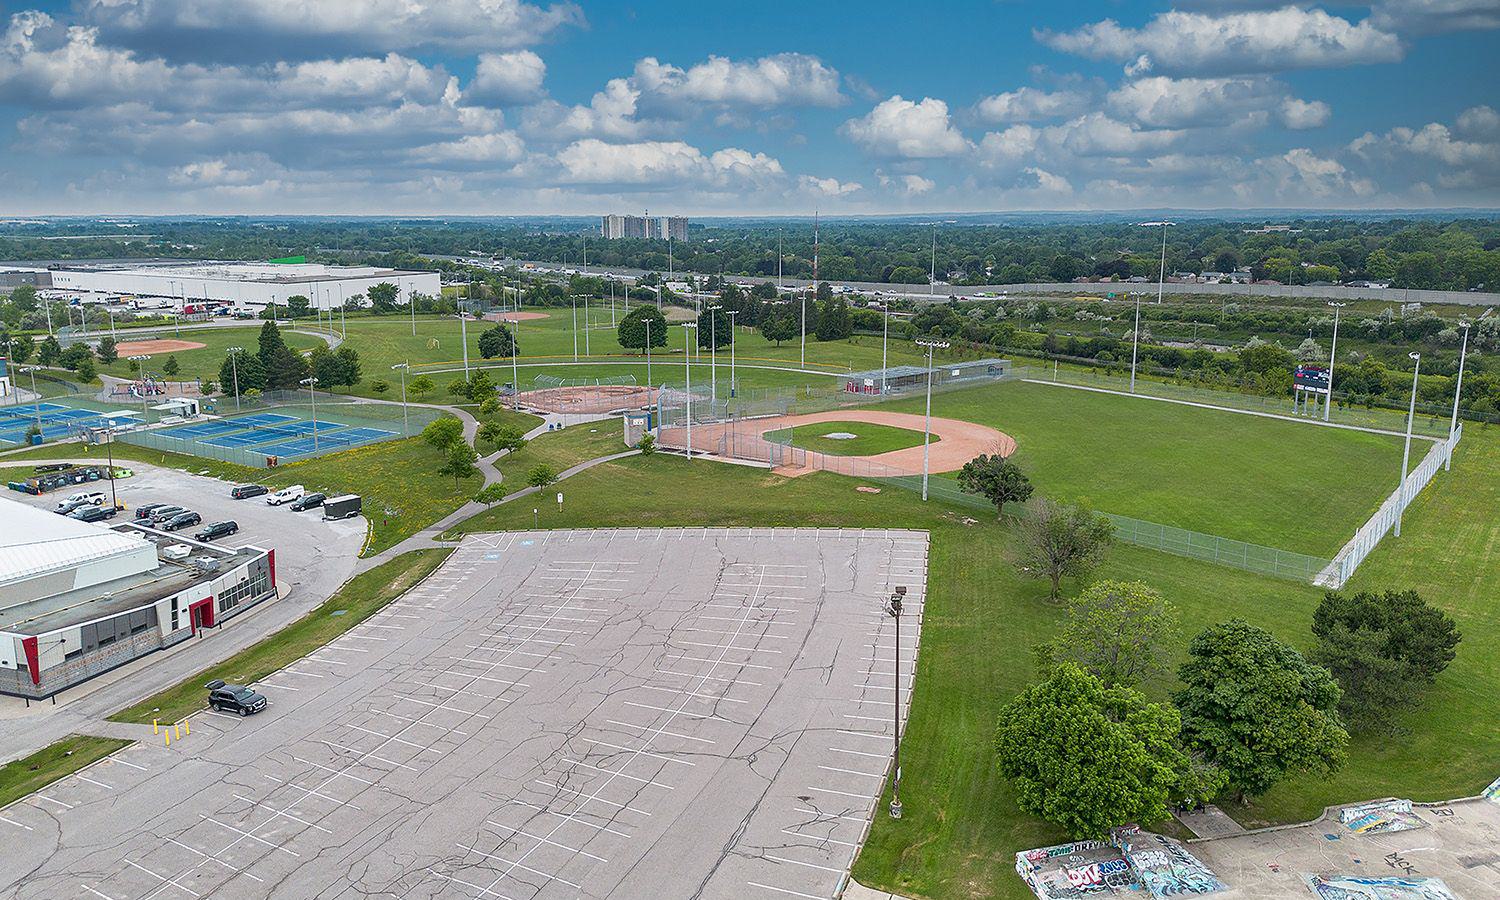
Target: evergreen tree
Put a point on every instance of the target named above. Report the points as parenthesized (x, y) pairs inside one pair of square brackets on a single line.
[(270, 342)]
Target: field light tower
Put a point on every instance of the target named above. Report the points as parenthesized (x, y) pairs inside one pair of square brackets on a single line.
[(1333, 356), (927, 423), (893, 609), (313, 398), (1458, 388), (234, 366), (689, 330), (405, 421), (1411, 417), (713, 352)]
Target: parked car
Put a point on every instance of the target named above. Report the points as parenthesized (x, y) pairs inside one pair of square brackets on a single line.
[(285, 495), (94, 497), (163, 513), (144, 512), (343, 507), (235, 698), (244, 491), (309, 501), (68, 506), (182, 520), (216, 531), (90, 513)]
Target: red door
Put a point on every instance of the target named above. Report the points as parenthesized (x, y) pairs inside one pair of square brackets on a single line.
[(201, 614)]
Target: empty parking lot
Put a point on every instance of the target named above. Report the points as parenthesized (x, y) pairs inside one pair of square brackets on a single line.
[(634, 714)]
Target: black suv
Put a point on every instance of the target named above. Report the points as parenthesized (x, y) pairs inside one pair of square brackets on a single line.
[(92, 513), (243, 491), (234, 698), (181, 520), (309, 501), (145, 512), (217, 530)]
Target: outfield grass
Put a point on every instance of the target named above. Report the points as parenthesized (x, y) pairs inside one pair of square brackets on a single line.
[(962, 827), (359, 598), (204, 362), (561, 449), (32, 773), (397, 479), (869, 439), (1290, 485)]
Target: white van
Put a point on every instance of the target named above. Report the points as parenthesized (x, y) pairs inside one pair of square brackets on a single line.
[(285, 495)]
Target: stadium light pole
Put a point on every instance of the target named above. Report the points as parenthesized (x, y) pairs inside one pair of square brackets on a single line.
[(649, 382), (803, 329), (1333, 356), (893, 609), (1161, 282), (586, 350), (885, 338), (36, 398), (411, 301), (574, 300), (687, 366), (731, 314), (405, 420), (1411, 417), (313, 398), (463, 330), (234, 366), (1135, 341), (1458, 388), (713, 351), (515, 367), (927, 424)]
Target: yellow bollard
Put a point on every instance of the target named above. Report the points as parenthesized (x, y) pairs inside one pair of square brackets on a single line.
[(177, 727), (185, 729), (169, 738), (156, 726)]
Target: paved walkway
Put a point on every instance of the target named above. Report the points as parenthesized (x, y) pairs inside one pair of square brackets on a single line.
[(1210, 822)]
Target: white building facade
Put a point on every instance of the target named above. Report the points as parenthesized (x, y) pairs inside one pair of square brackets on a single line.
[(245, 284)]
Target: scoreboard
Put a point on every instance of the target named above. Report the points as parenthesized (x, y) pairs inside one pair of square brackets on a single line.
[(1312, 379)]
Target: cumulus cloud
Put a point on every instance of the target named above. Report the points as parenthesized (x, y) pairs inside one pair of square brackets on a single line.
[(657, 163), (1435, 16), (1028, 104), (915, 185), (503, 79), (1163, 102), (500, 147), (1301, 114), (1254, 41), (898, 127), (785, 79), (828, 187)]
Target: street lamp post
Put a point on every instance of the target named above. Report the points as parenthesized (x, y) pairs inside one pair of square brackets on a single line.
[(687, 334), (713, 352), (405, 419), (732, 390), (1162, 278), (411, 301), (927, 424), (1411, 417), (1333, 356), (894, 611), (234, 366), (313, 398)]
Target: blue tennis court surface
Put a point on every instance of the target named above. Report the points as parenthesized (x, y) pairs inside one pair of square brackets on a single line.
[(56, 420), (266, 435)]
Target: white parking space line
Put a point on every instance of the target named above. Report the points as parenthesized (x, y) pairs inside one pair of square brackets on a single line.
[(787, 891)]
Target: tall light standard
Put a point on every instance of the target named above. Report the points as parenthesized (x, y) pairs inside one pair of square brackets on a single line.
[(893, 609), (411, 301), (515, 365), (731, 314), (574, 300), (313, 398), (885, 338), (1135, 341), (234, 366), (1458, 389), (688, 328), (405, 419), (586, 350), (1411, 416), (932, 278), (1333, 356), (927, 424), (463, 331), (36, 398), (804, 329), (713, 352), (649, 382), (1162, 278)]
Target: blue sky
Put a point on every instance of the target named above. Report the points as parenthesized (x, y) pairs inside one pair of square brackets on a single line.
[(502, 106)]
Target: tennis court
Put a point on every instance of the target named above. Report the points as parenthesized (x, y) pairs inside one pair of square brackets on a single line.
[(266, 434), (57, 420), (257, 438), (225, 426)]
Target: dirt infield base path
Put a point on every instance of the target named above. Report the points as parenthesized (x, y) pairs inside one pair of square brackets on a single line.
[(959, 442), (147, 348), (515, 316)]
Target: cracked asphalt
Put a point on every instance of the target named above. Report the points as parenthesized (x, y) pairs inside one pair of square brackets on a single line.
[(678, 713)]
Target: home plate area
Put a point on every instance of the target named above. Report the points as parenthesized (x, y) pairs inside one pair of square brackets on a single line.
[(615, 713)]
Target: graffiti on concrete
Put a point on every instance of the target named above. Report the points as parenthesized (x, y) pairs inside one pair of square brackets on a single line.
[(1348, 887), (1164, 867), (1492, 793), (1380, 817)]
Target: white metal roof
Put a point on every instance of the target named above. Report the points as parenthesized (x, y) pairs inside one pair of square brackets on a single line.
[(34, 541)]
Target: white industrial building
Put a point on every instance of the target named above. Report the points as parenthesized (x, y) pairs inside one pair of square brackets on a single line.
[(78, 599), (243, 284)]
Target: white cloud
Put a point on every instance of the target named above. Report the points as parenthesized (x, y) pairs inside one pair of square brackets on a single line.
[(828, 187), (916, 185), (1029, 104), (501, 79), (785, 79), (657, 163), (1096, 134), (1301, 114), (1478, 122), (898, 127), (1238, 42), (1005, 148), (473, 149), (380, 25), (1435, 16), (610, 113)]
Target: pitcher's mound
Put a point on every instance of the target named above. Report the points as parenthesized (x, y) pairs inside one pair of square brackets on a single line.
[(146, 348)]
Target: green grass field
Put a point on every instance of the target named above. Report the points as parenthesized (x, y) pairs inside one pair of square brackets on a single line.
[(868, 440), (204, 362), (359, 598), (32, 773), (962, 827), (1289, 485)]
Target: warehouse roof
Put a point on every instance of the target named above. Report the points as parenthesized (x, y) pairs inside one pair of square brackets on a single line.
[(34, 541)]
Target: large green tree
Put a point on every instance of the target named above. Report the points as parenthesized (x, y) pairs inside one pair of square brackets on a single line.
[(108, 350), (995, 478), (1116, 630), (779, 324), (713, 328), (1088, 757), (242, 369), (497, 342), (383, 297), (1257, 709), (633, 329), (1063, 541), (1383, 648), (834, 320), (269, 343)]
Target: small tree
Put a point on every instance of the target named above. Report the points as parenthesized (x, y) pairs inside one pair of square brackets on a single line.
[(632, 330), (459, 461), (380, 386), (420, 386), (490, 494), (541, 475), (490, 406), (1115, 630), (1063, 540), (1257, 709), (443, 432), (108, 350), (1384, 649), (481, 387), (459, 387), (49, 351), (997, 479), (647, 444), (497, 342), (171, 368), (1089, 757), (86, 370), (509, 438)]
